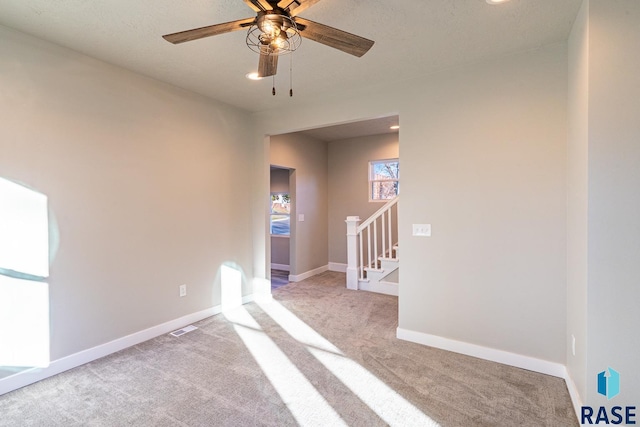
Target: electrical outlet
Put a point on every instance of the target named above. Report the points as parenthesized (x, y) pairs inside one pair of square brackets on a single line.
[(422, 230), (183, 290)]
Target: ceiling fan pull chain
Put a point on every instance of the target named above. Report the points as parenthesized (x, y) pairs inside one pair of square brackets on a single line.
[(273, 89), (291, 75)]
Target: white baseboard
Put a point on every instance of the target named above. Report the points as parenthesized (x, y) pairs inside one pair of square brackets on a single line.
[(32, 375), (283, 267), (492, 354), (499, 356), (573, 393), (310, 273), (338, 267)]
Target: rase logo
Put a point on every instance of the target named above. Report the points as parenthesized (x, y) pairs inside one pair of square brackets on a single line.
[(608, 386)]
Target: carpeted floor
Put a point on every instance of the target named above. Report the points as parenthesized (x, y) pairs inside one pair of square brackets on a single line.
[(317, 355)]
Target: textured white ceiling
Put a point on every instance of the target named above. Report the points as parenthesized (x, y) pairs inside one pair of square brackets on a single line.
[(413, 38)]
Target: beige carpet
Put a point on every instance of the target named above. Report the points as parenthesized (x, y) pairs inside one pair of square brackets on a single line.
[(332, 360)]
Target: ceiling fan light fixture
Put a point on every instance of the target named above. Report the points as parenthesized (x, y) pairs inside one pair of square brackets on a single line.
[(273, 34), (253, 76), (270, 24)]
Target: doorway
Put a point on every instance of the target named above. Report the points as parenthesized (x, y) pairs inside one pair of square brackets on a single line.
[(280, 230), (329, 179)]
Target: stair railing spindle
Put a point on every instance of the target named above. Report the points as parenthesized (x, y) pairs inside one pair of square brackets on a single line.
[(369, 244), (384, 237), (390, 235), (375, 243), (361, 260)]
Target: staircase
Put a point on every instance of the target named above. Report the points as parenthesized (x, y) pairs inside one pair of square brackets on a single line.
[(373, 258)]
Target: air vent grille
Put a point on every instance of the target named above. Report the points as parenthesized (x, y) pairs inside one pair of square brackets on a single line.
[(183, 331)]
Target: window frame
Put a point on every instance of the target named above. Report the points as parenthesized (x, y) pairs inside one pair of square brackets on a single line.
[(372, 181)]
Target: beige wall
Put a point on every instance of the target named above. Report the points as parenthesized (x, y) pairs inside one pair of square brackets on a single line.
[(603, 204), (613, 197), (577, 205), (483, 151), (484, 162), (279, 244), (280, 247), (279, 180), (142, 179), (348, 184), (308, 189)]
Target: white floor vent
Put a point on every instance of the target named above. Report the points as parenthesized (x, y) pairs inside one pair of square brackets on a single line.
[(183, 331)]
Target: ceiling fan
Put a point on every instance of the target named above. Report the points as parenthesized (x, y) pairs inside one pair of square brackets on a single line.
[(276, 30)]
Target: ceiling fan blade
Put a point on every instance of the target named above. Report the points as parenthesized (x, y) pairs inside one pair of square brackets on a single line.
[(259, 5), (252, 6), (268, 65), (338, 39), (296, 6), (211, 30), (265, 4)]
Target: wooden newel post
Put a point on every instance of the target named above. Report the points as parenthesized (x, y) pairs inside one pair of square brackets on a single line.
[(352, 252)]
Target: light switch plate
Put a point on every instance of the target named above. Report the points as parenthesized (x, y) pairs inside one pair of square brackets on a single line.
[(301, 217), (422, 230)]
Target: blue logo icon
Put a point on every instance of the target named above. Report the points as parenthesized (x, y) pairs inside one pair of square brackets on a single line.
[(609, 383)]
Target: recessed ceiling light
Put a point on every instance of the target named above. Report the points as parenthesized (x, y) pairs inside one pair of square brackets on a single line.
[(253, 76), (496, 1), (394, 127)]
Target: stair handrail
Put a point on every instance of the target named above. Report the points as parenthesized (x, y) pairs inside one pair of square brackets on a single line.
[(378, 213)]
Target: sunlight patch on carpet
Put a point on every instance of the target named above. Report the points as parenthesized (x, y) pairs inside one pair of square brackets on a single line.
[(306, 404), (381, 398)]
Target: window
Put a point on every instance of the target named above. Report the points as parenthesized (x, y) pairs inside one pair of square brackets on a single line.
[(24, 268), (384, 179), (280, 218), (24, 232)]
